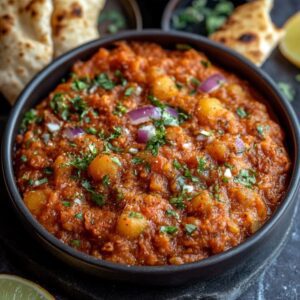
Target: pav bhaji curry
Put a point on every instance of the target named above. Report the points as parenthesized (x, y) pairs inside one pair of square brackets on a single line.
[(148, 156)]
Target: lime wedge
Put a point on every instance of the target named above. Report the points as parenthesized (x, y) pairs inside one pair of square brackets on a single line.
[(17, 288), (290, 44)]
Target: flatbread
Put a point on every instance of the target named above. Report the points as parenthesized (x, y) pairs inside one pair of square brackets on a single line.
[(250, 31), (25, 43), (74, 23)]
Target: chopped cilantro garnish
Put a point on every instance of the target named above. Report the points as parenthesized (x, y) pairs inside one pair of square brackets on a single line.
[(129, 91), (205, 63), (91, 130), (117, 131), (23, 158), (137, 160), (190, 228), (82, 161), (172, 213), (80, 106), (241, 112), (156, 102), (119, 195), (113, 20), (79, 85), (79, 216), (121, 77), (159, 139), (135, 215), (168, 229), (103, 81), (246, 177), (261, 129), (116, 161), (59, 104), (38, 182), (198, 12), (120, 110), (48, 170), (178, 201), (182, 116), (30, 117), (195, 82), (98, 198), (106, 180), (66, 203), (176, 164), (287, 90), (202, 164)]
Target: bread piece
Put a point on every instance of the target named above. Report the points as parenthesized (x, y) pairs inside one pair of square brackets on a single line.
[(74, 22), (25, 43), (250, 31)]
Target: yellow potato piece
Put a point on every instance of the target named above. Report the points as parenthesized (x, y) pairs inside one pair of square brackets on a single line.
[(131, 224), (35, 201), (164, 87), (209, 109), (103, 165)]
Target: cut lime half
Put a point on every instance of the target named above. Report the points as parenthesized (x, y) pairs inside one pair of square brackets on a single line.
[(17, 288)]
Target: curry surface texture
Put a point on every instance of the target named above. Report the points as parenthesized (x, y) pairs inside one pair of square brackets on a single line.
[(147, 156)]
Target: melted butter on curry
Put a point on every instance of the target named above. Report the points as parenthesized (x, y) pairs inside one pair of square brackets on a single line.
[(147, 156)]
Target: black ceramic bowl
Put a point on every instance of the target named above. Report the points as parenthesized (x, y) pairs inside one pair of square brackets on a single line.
[(249, 254)]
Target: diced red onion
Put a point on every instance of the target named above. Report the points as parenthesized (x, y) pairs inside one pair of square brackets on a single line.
[(72, 133), (145, 133), (212, 83), (240, 146), (144, 114)]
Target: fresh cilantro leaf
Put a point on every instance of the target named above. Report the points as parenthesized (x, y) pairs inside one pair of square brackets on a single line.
[(190, 228), (103, 81), (246, 177), (172, 213), (120, 110), (135, 215), (60, 106), (106, 180), (241, 112), (30, 117), (168, 229), (79, 85), (79, 216), (129, 91), (98, 198)]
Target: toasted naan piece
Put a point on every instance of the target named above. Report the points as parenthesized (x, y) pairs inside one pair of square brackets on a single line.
[(250, 31), (25, 43), (74, 22)]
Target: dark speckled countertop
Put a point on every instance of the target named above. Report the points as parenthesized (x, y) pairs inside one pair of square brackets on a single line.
[(280, 278)]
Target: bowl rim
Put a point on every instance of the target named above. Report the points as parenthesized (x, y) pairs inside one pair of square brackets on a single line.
[(9, 179)]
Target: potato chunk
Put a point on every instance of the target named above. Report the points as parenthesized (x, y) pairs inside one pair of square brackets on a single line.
[(35, 201), (104, 165), (164, 87), (202, 203), (209, 110), (131, 224), (218, 150)]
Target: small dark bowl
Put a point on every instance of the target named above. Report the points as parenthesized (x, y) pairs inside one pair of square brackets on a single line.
[(251, 252)]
